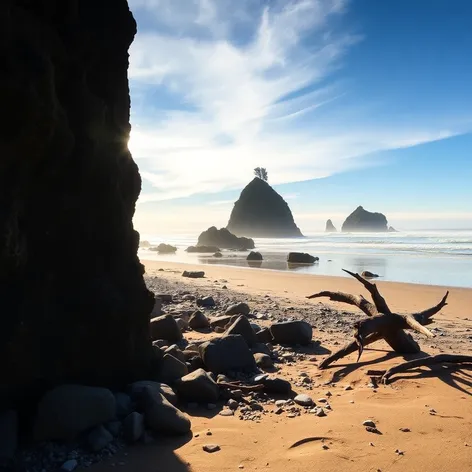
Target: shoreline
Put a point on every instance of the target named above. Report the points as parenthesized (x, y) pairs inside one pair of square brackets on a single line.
[(402, 296)]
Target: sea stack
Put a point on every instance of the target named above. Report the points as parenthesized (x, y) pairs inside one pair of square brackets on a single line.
[(330, 228), (261, 212), (364, 221)]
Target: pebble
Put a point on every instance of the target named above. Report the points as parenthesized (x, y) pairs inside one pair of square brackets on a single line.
[(405, 430), (232, 404), (280, 403), (69, 465), (303, 400), (369, 423), (226, 412), (322, 400), (211, 448)]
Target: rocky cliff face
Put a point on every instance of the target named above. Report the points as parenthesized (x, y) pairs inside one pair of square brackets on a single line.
[(363, 220), (74, 304), (330, 228), (261, 212)]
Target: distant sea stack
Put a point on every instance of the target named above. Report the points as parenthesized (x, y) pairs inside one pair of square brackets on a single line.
[(261, 212), (362, 220), (330, 228)]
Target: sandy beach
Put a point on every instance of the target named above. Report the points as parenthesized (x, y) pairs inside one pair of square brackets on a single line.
[(424, 417)]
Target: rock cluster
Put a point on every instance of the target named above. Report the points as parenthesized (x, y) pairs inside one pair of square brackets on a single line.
[(261, 212), (223, 238)]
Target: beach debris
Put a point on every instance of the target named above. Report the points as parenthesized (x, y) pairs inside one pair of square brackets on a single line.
[(211, 448), (381, 323)]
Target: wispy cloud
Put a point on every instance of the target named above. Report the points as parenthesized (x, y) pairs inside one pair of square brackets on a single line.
[(220, 87)]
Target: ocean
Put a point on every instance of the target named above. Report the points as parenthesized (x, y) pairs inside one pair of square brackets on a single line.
[(422, 257)]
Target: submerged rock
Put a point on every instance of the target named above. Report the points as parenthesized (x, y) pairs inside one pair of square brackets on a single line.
[(254, 256), (262, 213), (223, 238), (363, 220)]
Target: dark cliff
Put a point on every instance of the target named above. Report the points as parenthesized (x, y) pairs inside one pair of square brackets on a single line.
[(261, 212), (74, 304), (363, 220)]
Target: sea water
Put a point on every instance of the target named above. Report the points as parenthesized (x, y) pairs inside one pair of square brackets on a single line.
[(423, 257)]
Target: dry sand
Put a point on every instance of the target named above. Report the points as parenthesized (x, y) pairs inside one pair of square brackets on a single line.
[(435, 405)]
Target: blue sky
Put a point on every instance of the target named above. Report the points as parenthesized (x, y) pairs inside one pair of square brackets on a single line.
[(347, 103)]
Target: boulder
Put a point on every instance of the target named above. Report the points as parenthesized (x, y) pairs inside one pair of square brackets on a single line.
[(206, 302), (203, 249), (263, 361), (198, 321), (276, 386), (176, 352), (301, 258), (182, 324), (261, 212), (99, 438), (68, 410), (8, 435), (220, 321), (291, 332), (238, 309), (224, 239), (242, 326), (264, 336), (172, 369), (330, 228), (198, 387), (133, 427), (365, 221), (123, 404), (193, 274), (261, 348), (161, 416), (217, 254), (68, 181), (369, 275), (164, 249), (254, 256), (136, 390), (227, 353), (157, 308), (165, 327)]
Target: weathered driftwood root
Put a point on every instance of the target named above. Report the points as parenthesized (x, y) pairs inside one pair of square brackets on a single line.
[(381, 322), (425, 362), (243, 388)]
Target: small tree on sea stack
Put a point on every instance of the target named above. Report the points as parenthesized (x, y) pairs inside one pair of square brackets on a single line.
[(261, 173)]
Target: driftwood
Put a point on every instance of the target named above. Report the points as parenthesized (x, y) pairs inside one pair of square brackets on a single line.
[(381, 322), (426, 362)]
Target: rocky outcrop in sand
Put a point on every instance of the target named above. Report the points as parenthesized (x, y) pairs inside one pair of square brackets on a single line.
[(223, 238), (261, 212), (67, 181), (362, 220)]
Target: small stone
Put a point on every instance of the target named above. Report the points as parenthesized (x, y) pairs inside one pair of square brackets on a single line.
[(99, 438), (210, 448), (405, 430), (69, 466), (133, 427), (280, 403), (320, 412), (400, 453), (232, 404), (347, 388), (325, 447), (209, 433), (322, 400), (369, 423), (303, 400), (278, 411), (226, 412), (370, 429)]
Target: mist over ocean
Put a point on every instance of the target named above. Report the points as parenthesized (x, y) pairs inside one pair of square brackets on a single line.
[(442, 257)]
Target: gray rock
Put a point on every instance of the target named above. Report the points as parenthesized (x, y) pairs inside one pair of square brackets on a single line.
[(243, 327), (292, 332), (211, 448), (176, 352), (226, 412), (69, 410), (303, 400), (230, 352), (114, 427), (276, 386), (198, 321), (198, 387), (255, 327), (220, 321), (69, 466), (123, 405), (157, 308), (301, 258), (263, 361), (165, 327), (232, 404), (193, 274), (8, 434), (133, 427), (261, 348), (206, 302), (99, 438), (369, 423), (162, 417), (182, 324), (136, 390), (254, 256), (172, 369), (264, 336), (238, 309)]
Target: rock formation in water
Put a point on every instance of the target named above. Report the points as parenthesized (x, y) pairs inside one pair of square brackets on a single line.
[(330, 228), (261, 212), (68, 189), (301, 258), (362, 220), (224, 239), (391, 229)]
